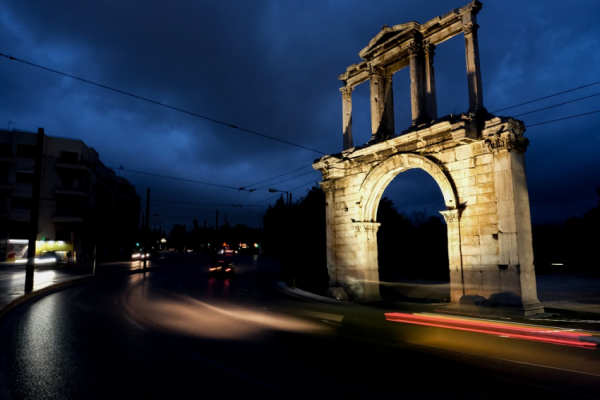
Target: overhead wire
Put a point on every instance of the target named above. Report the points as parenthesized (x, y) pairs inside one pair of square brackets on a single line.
[(547, 97), (216, 121)]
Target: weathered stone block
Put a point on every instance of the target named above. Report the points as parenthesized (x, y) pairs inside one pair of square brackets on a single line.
[(485, 188), (490, 259), (486, 197), (485, 178), (484, 169), (469, 240), (466, 182), (466, 191), (484, 159), (489, 229), (469, 221), (464, 152), (462, 164), (470, 230), (471, 260), (468, 200), (488, 219)]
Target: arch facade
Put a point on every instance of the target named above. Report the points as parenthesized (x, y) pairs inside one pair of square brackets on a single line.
[(476, 158)]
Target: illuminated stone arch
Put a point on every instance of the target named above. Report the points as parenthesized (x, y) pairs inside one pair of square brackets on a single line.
[(380, 177), (476, 158)]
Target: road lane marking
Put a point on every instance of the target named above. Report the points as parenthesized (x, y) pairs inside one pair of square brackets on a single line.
[(237, 373), (509, 361)]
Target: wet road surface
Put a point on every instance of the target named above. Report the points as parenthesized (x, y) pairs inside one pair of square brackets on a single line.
[(178, 333)]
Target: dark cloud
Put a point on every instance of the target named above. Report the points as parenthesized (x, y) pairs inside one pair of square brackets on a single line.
[(272, 67)]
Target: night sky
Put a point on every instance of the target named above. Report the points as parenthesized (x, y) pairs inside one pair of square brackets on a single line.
[(271, 67)]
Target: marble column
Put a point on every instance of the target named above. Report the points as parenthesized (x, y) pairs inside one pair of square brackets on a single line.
[(417, 92), (430, 97), (457, 279), (473, 68), (382, 106), (347, 116)]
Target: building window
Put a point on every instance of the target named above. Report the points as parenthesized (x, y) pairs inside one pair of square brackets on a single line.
[(68, 157), (21, 204), (24, 177), (68, 182), (4, 174), (63, 234), (25, 150), (6, 150)]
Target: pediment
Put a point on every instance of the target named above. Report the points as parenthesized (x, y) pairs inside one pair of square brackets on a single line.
[(386, 35)]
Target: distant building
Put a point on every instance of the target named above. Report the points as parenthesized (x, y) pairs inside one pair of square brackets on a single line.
[(83, 203)]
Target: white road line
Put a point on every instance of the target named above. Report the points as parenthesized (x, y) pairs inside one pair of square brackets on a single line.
[(511, 361), (134, 322), (237, 373)]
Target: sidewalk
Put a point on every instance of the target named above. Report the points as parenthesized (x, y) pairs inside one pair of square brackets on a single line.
[(47, 278)]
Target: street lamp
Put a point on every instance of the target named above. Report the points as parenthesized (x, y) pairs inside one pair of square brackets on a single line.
[(288, 195)]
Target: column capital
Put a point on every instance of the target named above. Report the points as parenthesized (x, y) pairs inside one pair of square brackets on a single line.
[(451, 216), (429, 48), (376, 71), (346, 91), (365, 227), (327, 186), (470, 29), (414, 48)]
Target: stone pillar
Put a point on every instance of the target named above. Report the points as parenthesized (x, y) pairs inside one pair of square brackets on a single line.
[(347, 116), (417, 101), (430, 97), (327, 187), (457, 279), (473, 69), (382, 106), (517, 273), (363, 281)]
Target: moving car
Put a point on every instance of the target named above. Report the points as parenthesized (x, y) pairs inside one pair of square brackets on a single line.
[(222, 268)]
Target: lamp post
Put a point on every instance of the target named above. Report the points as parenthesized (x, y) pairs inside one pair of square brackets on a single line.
[(288, 195)]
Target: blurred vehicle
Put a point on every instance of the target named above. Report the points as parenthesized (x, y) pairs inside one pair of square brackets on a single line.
[(222, 268), (139, 255), (226, 251), (49, 257)]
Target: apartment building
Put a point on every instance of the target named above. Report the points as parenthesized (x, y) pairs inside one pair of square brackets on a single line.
[(83, 204)]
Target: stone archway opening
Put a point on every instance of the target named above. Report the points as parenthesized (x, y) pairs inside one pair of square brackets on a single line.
[(412, 240)]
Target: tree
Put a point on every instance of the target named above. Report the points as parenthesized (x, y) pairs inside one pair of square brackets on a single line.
[(178, 237)]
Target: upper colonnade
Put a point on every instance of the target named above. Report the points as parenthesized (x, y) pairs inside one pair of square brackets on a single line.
[(411, 45)]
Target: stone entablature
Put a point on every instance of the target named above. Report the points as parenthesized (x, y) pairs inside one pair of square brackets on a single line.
[(411, 45), (479, 167)]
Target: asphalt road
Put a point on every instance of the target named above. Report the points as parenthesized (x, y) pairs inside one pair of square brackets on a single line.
[(175, 332)]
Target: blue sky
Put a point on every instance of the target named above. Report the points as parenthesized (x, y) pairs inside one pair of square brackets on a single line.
[(272, 67)]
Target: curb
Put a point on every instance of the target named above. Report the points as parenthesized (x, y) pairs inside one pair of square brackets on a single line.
[(60, 285)]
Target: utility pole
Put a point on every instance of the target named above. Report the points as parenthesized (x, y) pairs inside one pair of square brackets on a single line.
[(35, 210), (147, 227)]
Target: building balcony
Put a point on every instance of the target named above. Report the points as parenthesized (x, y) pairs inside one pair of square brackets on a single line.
[(7, 159), (68, 216), (73, 166), (70, 191)]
